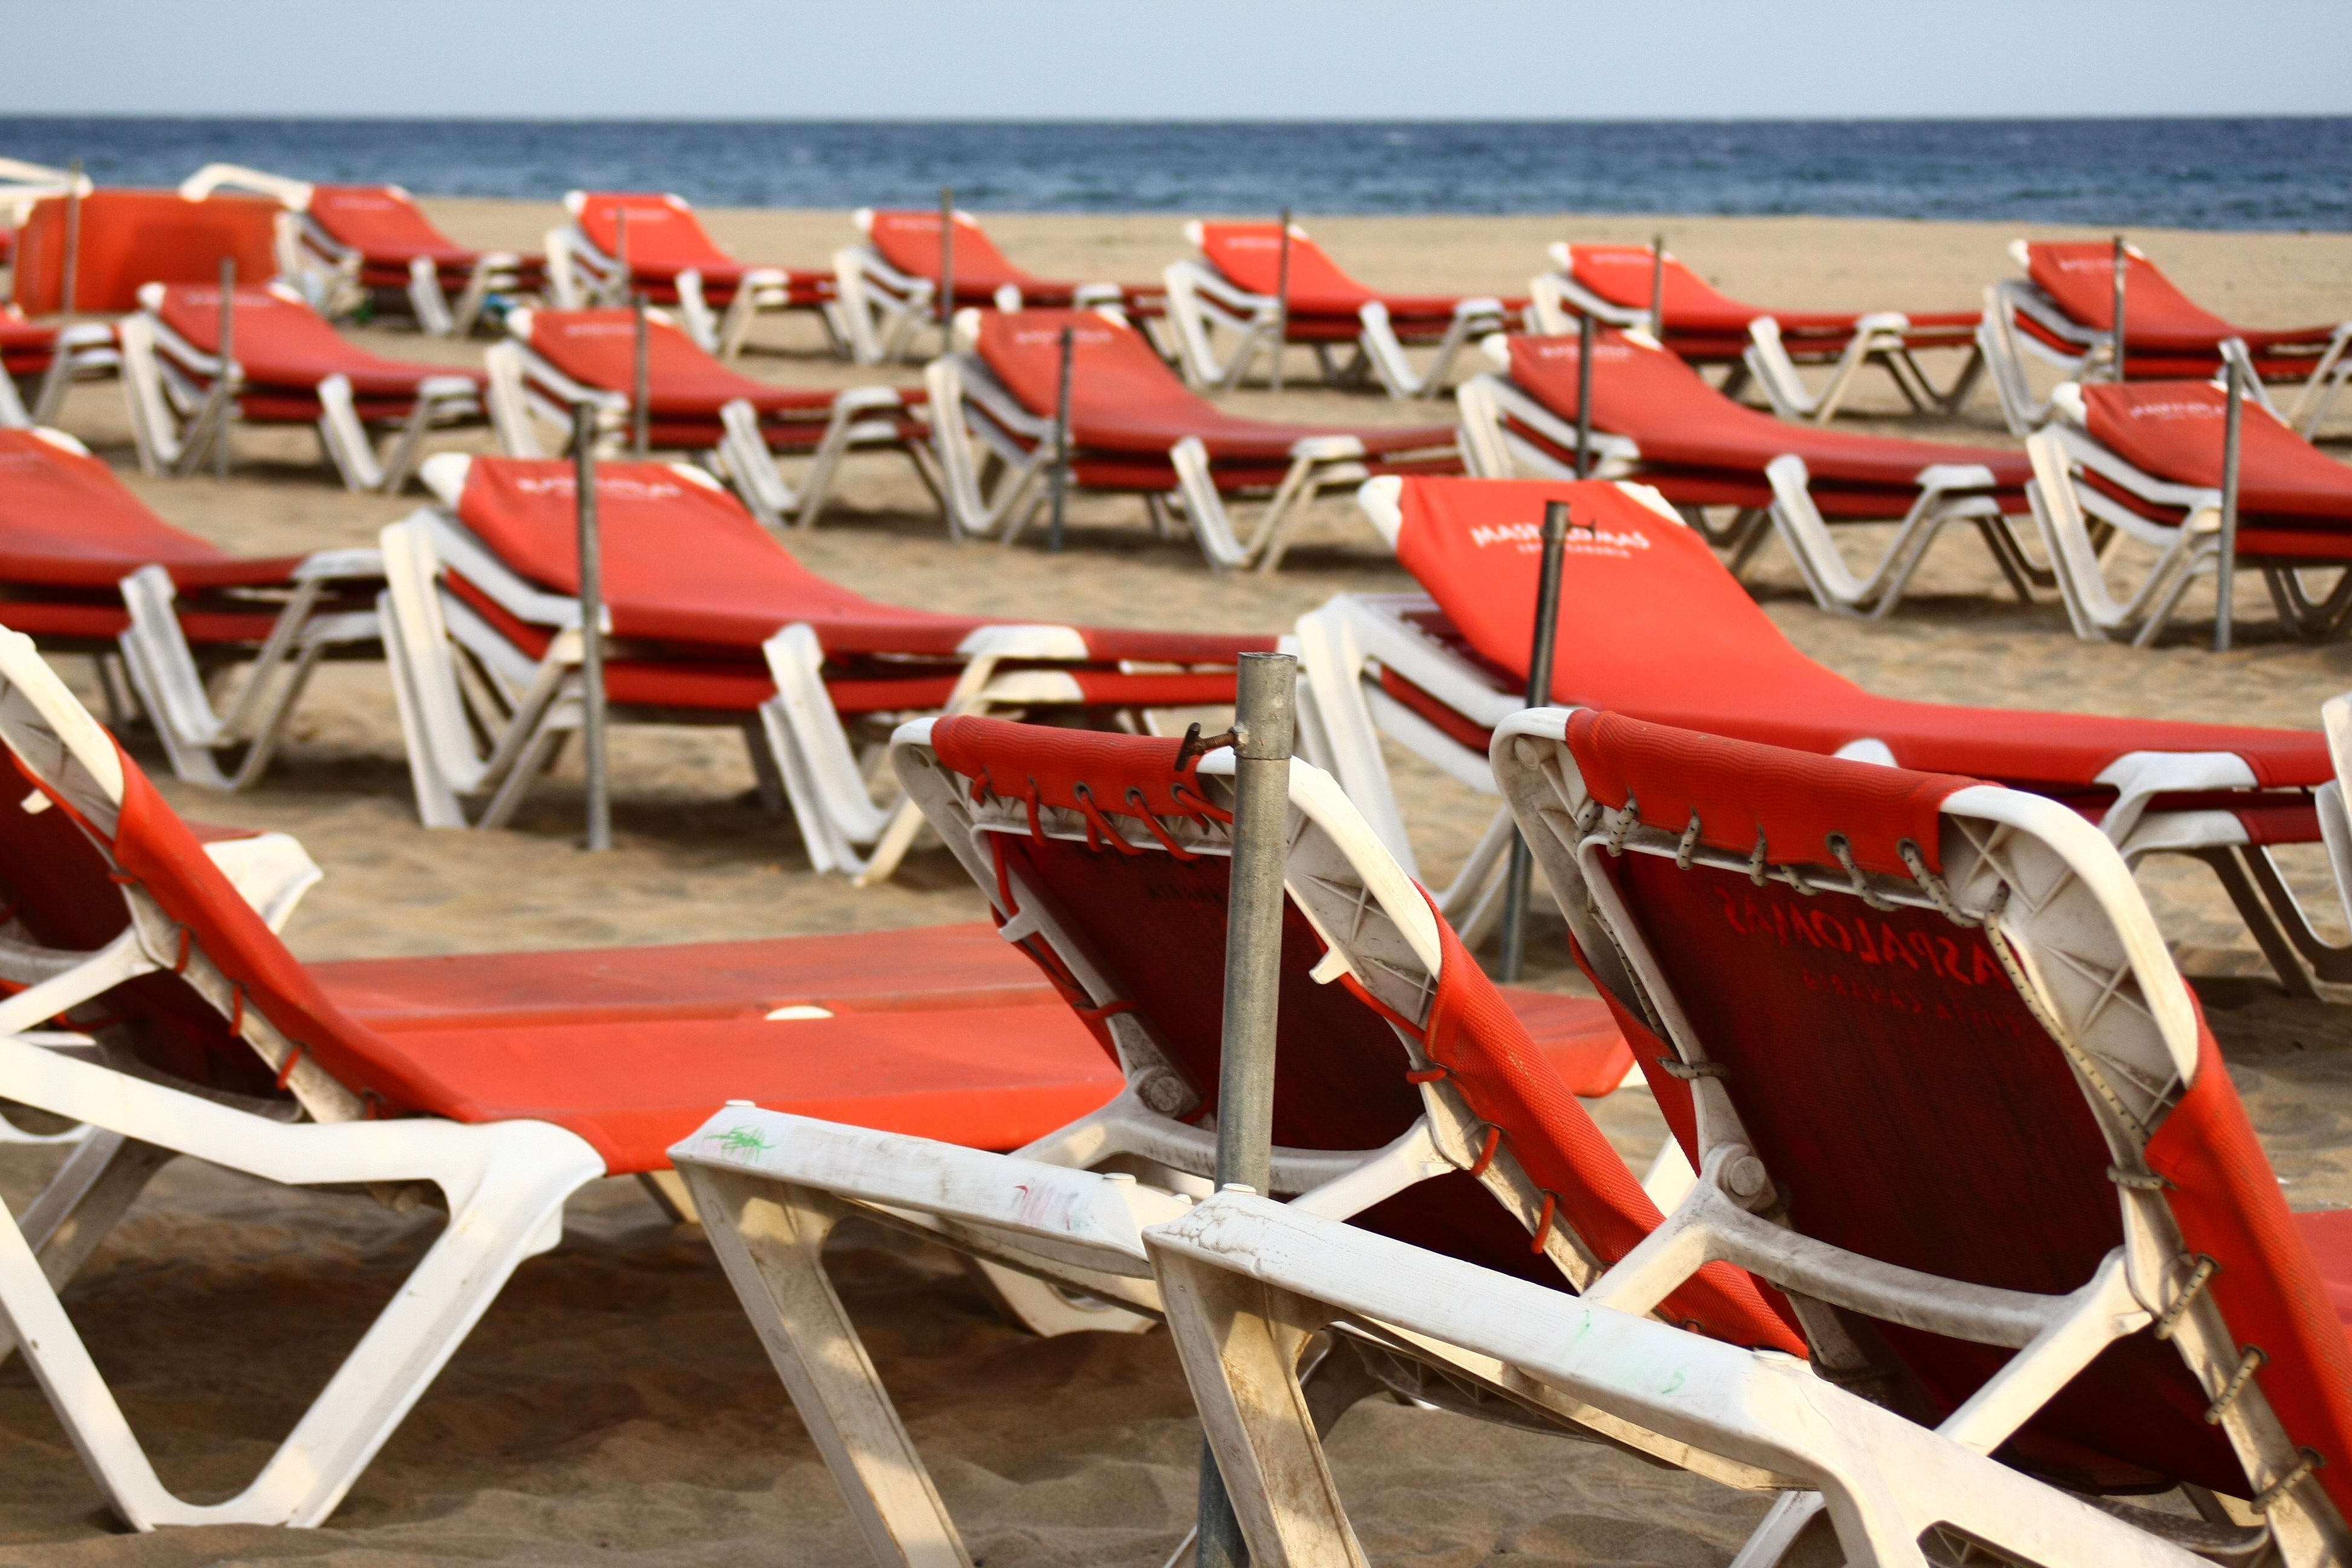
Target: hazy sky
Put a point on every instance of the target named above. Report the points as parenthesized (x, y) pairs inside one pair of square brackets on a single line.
[(1205, 58)]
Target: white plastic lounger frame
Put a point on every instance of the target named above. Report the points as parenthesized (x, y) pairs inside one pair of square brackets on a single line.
[(505, 1184), (1246, 1283), (886, 312), (85, 351), (581, 276), (456, 676), (1205, 307), (1345, 714), (181, 403), (1948, 492), (2067, 513), (1045, 1222), (994, 457), (526, 391)]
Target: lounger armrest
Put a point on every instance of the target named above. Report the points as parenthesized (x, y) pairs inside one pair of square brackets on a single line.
[(1882, 321), (861, 399), (448, 386), (1025, 642), (2066, 401), (327, 565), (1328, 448), (1955, 477)]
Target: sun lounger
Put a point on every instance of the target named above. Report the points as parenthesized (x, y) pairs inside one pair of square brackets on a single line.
[(289, 367), (345, 245), (1229, 298), (1658, 420), (1612, 284), (2143, 459), (1921, 1037), (715, 625), (1408, 1096), (86, 567), (2062, 313), (1134, 428), (151, 1003), (128, 240), (672, 259), (1653, 625), (889, 287), (556, 360), (41, 361)]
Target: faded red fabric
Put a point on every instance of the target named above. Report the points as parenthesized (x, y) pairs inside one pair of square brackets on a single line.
[(2080, 278), (1125, 399), (1686, 429), (133, 237), (1652, 625), (282, 343), (665, 239), (66, 521), (910, 241), (1742, 794), (1250, 256), (599, 349), (1050, 766), (384, 225), (1702, 322), (2172, 430)]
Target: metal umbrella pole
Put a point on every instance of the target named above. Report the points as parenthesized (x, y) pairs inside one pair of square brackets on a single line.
[(1519, 878), (618, 289), (69, 294), (1061, 475), (1658, 287), (641, 406), (1263, 723), (1584, 396), (947, 270), (2225, 562), (592, 627), (1281, 302), (227, 366), (2122, 270)]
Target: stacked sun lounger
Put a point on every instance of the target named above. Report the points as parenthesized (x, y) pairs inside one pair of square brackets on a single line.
[(621, 243)]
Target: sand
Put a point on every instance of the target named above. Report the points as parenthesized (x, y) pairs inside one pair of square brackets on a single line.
[(614, 1403)]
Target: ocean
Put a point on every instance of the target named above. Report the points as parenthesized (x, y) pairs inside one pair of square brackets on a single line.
[(2279, 174)]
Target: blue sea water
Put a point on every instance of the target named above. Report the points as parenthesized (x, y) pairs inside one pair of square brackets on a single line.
[(2277, 173)]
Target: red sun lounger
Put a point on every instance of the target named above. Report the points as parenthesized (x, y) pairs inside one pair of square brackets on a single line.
[(126, 239), (1658, 419), (557, 361), (1653, 625), (1921, 1037), (41, 361), (653, 244), (2062, 313), (87, 568), (1409, 1101), (889, 287), (1232, 296), (1613, 284), (715, 623), (287, 367), (348, 245), (151, 1003), (1135, 430), (2143, 459)]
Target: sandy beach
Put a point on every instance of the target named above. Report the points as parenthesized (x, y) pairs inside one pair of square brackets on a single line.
[(613, 1404)]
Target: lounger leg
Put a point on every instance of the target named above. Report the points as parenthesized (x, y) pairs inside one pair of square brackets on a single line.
[(2275, 918), (1241, 1341), (770, 1240), (82, 1203)]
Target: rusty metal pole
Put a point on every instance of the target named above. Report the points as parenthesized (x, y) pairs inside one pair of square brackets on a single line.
[(228, 346), (947, 270), (1281, 303), (2225, 562), (1658, 287), (1520, 879), (641, 401), (1584, 396), (69, 294), (2122, 271), (1061, 475), (592, 626)]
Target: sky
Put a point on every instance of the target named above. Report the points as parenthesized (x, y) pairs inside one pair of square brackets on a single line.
[(1213, 59)]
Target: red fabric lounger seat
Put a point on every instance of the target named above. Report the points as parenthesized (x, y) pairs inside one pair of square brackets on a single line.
[(1704, 322), (665, 239), (2176, 335), (1125, 399), (384, 224), (909, 242), (2172, 430), (284, 346), (1663, 632), (1689, 431), (1250, 256), (598, 349)]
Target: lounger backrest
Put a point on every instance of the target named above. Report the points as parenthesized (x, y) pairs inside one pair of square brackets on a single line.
[(377, 221), (66, 521), (107, 848), (2172, 430), (910, 241), (599, 349), (127, 238), (1622, 274), (665, 236), (1113, 369), (2080, 278), (1250, 255), (1971, 1071), (1109, 862), (683, 560), (280, 340)]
